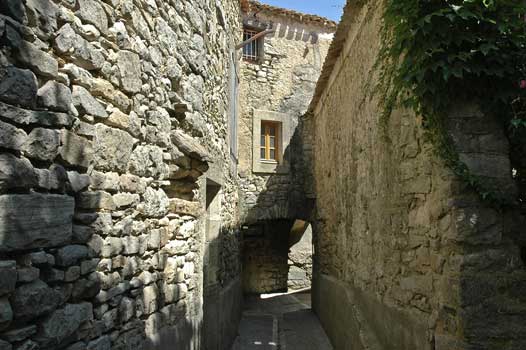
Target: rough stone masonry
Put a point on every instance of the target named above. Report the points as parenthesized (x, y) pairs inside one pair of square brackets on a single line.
[(408, 257), (110, 113)]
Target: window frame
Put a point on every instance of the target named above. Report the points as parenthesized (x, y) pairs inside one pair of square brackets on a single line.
[(256, 45), (266, 126), (285, 130)]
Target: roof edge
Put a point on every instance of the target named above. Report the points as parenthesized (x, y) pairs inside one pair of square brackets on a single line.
[(256, 6), (351, 10)]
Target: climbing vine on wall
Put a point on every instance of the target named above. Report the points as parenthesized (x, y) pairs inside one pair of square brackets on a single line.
[(440, 51)]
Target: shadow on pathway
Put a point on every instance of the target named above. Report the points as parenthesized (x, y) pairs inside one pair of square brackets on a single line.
[(280, 321)]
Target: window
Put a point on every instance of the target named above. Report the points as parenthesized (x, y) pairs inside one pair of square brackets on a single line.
[(251, 51), (269, 144), (271, 135)]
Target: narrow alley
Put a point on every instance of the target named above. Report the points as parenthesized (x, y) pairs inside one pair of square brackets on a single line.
[(280, 321)]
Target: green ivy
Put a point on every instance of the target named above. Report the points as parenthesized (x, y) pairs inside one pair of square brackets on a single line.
[(439, 51)]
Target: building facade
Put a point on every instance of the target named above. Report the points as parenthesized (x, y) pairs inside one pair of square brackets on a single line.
[(278, 74), (118, 191)]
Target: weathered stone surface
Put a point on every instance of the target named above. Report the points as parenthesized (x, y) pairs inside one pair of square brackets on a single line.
[(6, 313), (81, 51), (39, 61), (148, 161), (16, 173), (43, 13), (78, 182), (113, 148), (130, 71), (34, 299), (64, 322), (70, 255), (102, 343), (19, 334), (126, 199), (51, 179), (96, 200), (105, 89), (27, 274), (75, 150), (151, 298), (14, 9), (155, 203), (87, 104), (42, 144), (18, 86), (11, 137), (183, 207), (35, 221), (91, 11), (43, 118), (7, 276), (189, 146), (55, 96)]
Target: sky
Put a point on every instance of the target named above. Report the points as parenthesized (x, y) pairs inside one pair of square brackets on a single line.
[(327, 8)]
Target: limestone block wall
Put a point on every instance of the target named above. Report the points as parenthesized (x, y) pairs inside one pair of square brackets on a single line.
[(407, 257), (111, 114), (283, 81)]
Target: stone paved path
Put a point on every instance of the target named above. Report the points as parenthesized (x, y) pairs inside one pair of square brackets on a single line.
[(280, 322)]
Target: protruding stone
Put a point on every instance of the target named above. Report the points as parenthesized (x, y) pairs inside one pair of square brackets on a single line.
[(87, 104), (78, 182), (129, 66), (35, 221), (26, 117), (81, 51), (18, 86), (75, 150), (113, 148), (34, 299), (96, 200), (105, 89), (16, 173), (147, 161), (11, 137), (42, 144), (43, 13), (91, 11), (39, 61), (183, 207), (155, 203), (28, 274), (63, 323), (55, 96), (189, 146), (70, 255), (14, 9)]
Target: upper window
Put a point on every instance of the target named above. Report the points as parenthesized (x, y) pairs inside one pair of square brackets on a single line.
[(269, 146), (252, 50)]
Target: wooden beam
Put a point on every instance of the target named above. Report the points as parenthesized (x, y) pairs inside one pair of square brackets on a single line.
[(255, 37)]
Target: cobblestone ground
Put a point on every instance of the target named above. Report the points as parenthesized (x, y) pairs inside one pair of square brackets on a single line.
[(280, 321)]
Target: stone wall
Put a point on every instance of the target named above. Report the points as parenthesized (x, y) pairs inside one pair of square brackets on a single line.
[(282, 81), (111, 114), (300, 256), (407, 257)]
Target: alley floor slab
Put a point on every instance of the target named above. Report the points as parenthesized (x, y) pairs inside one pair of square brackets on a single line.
[(280, 322)]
